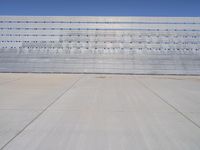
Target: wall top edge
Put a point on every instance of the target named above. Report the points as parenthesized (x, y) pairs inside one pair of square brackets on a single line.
[(102, 19)]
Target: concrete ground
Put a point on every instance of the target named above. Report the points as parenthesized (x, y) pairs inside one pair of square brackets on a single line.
[(99, 112)]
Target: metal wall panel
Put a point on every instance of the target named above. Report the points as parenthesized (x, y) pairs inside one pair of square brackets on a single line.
[(133, 45)]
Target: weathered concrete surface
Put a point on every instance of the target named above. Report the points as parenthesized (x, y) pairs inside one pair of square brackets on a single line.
[(87, 112)]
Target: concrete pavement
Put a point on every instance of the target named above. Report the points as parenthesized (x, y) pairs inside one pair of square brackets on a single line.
[(101, 112)]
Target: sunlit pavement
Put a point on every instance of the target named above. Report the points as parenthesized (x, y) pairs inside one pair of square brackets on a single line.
[(99, 112)]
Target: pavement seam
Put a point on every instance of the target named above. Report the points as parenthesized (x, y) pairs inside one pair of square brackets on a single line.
[(42, 112), (166, 102)]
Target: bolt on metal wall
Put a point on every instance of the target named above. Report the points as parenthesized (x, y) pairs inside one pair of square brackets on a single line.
[(133, 45)]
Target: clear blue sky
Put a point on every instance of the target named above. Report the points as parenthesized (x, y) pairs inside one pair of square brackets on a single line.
[(101, 7)]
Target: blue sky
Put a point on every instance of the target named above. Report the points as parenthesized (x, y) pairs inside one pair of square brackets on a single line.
[(101, 7)]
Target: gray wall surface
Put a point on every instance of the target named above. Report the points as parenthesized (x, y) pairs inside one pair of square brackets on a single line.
[(132, 45)]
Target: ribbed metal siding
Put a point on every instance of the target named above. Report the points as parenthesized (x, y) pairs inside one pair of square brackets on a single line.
[(136, 45)]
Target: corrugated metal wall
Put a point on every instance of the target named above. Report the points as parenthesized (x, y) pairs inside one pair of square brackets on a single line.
[(135, 45)]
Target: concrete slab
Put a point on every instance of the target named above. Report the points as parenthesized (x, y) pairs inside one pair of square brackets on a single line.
[(34, 91), (181, 92), (24, 96), (83, 112), (6, 78), (12, 121)]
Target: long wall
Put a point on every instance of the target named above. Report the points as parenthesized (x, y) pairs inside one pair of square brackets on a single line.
[(133, 45)]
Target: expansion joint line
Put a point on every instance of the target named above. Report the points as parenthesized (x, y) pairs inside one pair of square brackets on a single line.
[(42, 112), (166, 102)]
